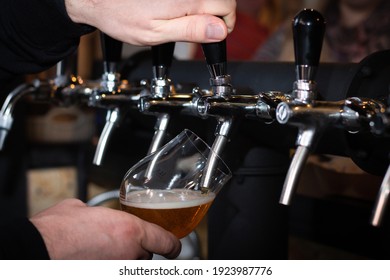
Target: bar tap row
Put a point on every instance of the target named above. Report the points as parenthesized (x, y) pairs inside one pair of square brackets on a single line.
[(300, 108)]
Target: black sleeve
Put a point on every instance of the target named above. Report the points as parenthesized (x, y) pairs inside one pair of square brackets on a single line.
[(35, 35), (20, 240)]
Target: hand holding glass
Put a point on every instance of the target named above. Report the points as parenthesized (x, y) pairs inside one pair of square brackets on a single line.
[(165, 187)]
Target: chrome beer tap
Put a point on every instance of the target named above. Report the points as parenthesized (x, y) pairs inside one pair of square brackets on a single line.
[(113, 94), (39, 90), (162, 99), (112, 50), (161, 86), (221, 89), (308, 32)]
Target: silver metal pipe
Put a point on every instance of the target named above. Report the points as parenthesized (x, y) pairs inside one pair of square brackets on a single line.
[(291, 181), (222, 132), (304, 141), (158, 138), (159, 133), (111, 120), (381, 201), (6, 117)]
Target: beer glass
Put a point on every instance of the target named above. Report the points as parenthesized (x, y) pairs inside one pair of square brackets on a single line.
[(165, 187)]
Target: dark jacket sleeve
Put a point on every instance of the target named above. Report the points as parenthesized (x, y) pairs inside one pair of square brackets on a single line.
[(20, 240), (35, 35)]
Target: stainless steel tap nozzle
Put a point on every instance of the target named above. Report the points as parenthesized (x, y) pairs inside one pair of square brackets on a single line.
[(382, 201), (6, 117), (381, 126), (112, 119)]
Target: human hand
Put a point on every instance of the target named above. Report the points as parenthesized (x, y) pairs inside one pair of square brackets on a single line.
[(72, 230), (157, 21)]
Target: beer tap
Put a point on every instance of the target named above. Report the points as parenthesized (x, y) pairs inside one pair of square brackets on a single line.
[(382, 200), (110, 83), (220, 82), (162, 56), (41, 90), (308, 32)]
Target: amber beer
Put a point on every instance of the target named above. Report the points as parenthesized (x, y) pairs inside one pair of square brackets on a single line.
[(178, 211)]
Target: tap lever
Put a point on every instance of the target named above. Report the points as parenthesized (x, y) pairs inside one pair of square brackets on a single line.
[(216, 58), (308, 33), (65, 70), (162, 56), (112, 52)]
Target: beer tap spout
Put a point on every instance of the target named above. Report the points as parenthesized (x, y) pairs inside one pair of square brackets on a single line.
[(381, 126), (221, 138), (381, 202), (6, 112), (111, 121)]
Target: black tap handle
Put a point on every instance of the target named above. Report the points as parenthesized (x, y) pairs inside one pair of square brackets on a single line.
[(162, 55), (215, 53), (111, 49), (67, 66), (216, 58), (308, 32)]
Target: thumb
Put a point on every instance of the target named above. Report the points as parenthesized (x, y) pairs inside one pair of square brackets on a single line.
[(194, 28)]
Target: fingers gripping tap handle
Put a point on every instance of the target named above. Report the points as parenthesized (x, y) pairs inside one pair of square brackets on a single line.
[(308, 33)]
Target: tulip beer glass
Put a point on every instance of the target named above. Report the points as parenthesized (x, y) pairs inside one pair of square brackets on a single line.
[(165, 187)]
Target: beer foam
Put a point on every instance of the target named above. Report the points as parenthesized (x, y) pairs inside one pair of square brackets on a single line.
[(166, 199)]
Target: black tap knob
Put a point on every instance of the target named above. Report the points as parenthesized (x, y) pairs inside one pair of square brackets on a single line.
[(215, 52), (216, 58), (162, 56), (112, 52), (308, 32)]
